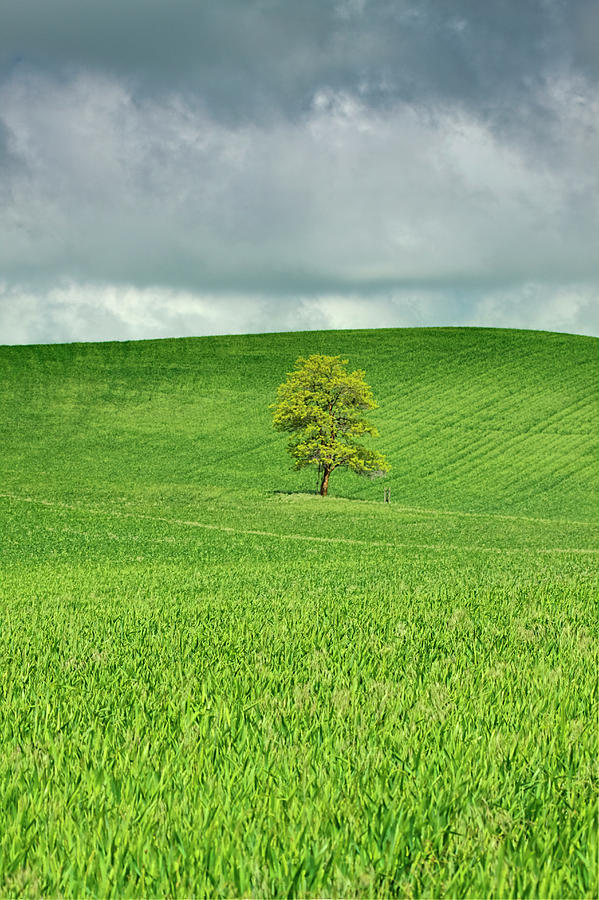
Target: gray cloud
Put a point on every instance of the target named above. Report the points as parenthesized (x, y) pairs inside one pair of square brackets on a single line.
[(158, 192), (258, 55), (311, 158), (76, 312)]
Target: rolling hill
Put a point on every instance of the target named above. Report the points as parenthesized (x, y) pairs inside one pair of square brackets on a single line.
[(477, 420), (214, 682)]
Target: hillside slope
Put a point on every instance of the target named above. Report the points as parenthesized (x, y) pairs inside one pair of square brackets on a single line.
[(217, 683), (471, 419)]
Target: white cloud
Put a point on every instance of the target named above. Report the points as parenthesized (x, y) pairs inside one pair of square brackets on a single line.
[(95, 312), (125, 217), (573, 308)]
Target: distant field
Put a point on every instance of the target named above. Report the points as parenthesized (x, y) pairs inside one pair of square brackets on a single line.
[(215, 682)]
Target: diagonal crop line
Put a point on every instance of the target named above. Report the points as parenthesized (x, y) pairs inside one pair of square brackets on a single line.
[(229, 529)]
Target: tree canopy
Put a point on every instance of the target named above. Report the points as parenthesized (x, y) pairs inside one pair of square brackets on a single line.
[(322, 404)]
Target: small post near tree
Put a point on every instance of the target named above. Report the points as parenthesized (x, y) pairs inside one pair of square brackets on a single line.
[(322, 404)]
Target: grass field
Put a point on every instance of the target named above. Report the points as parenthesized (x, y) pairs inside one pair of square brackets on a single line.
[(214, 682)]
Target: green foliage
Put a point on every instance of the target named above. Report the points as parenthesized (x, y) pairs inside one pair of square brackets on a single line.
[(211, 685), (322, 405)]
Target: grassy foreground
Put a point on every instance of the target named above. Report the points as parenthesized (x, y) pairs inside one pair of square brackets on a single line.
[(215, 683)]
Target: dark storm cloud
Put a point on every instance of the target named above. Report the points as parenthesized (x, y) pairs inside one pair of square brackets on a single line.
[(253, 58), (171, 167)]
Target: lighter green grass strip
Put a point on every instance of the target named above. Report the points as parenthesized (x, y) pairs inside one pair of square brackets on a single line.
[(190, 523), (430, 510)]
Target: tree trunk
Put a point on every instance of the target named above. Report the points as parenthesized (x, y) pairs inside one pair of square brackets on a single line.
[(325, 483)]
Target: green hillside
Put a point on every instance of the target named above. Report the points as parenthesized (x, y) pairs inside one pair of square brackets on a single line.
[(471, 419), (214, 682)]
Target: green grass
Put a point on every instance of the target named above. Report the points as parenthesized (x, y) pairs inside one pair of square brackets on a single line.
[(215, 683)]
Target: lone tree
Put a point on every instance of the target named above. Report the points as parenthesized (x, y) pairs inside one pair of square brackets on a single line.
[(322, 405)]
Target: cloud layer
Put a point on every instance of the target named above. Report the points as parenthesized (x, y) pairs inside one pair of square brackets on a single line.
[(233, 189), (76, 311)]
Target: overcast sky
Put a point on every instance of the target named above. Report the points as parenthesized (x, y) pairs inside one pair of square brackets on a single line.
[(177, 167)]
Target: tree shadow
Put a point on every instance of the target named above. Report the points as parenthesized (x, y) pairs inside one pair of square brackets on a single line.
[(291, 493)]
